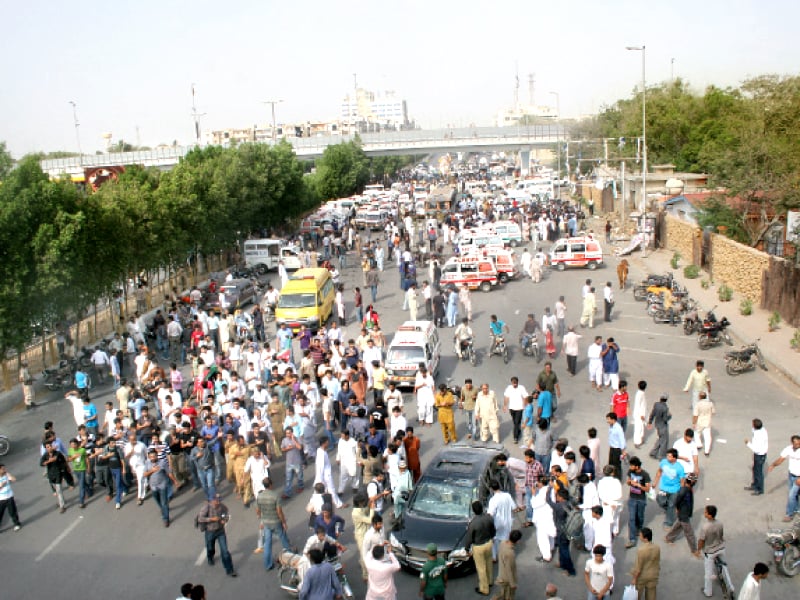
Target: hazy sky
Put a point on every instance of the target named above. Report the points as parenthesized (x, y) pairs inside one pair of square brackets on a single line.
[(131, 64)]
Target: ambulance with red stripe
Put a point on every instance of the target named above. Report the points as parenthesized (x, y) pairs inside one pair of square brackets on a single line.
[(414, 343)]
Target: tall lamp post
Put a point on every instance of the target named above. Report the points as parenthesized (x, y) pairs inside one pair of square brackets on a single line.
[(643, 200), (272, 103), (558, 147), (77, 131)]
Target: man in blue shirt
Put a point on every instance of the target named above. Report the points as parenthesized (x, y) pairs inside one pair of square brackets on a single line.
[(616, 444), (496, 328), (544, 405), (669, 480), (320, 581), (376, 438), (82, 382), (89, 416), (213, 436), (610, 364)]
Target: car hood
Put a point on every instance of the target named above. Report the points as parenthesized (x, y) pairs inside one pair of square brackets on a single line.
[(417, 531)]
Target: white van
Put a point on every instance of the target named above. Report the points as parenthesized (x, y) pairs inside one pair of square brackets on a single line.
[(414, 343), (509, 231), (576, 252), (262, 255)]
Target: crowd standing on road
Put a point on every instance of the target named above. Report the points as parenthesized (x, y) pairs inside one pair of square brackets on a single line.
[(255, 406)]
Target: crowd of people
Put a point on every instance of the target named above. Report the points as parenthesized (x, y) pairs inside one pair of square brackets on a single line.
[(320, 402)]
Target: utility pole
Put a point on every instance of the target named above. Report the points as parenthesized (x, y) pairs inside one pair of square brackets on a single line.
[(77, 131), (272, 103), (196, 118), (355, 82), (672, 69)]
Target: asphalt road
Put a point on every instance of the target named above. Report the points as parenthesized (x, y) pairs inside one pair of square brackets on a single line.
[(101, 552)]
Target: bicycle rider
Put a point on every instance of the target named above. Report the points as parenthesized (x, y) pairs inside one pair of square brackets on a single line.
[(529, 329), (462, 337), (496, 328)]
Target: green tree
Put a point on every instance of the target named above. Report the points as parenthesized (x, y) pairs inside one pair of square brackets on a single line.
[(6, 162), (342, 171)]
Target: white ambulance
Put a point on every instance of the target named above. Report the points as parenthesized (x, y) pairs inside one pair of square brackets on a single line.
[(576, 252), (414, 343)]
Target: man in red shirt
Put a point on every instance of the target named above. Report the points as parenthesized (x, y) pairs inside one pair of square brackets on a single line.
[(619, 404)]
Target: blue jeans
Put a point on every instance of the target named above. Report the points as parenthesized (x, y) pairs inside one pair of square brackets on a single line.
[(528, 507), (291, 472), (162, 499), (670, 509), (794, 489), (545, 460), (219, 464), (564, 557), (219, 536), (636, 510), (758, 472), (207, 481), (80, 480), (268, 532), (470, 414), (119, 484), (374, 291)]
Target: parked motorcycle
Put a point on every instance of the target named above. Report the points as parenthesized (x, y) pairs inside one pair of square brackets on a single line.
[(714, 335), (744, 359), (501, 348), (785, 545), (641, 289), (289, 574), (661, 315), (692, 323), (530, 346), (85, 357)]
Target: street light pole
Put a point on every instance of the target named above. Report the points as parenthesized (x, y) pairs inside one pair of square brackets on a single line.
[(77, 132), (558, 142), (643, 200), (272, 103)]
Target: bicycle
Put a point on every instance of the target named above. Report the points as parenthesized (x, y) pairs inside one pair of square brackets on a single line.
[(724, 578)]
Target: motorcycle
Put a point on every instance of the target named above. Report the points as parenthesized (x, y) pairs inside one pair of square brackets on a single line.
[(661, 315), (530, 346), (59, 377), (641, 289), (744, 359), (85, 357), (714, 335), (785, 545), (289, 574), (467, 348), (500, 347), (692, 323)]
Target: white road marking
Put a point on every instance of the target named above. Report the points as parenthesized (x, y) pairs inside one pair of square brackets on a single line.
[(200, 558), (682, 354), (672, 335), (58, 539)]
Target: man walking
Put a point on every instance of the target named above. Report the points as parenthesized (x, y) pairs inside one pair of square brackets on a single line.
[(26, 381), (159, 475), (444, 402), (433, 576), (562, 540), (486, 414), (792, 452), (215, 515), (269, 510), (469, 393), (701, 422), (751, 586), (758, 445), (684, 502), (608, 301), (588, 309), (711, 543), (514, 403), (659, 418), (698, 381), (323, 472), (7, 498), (616, 444), (639, 483), (501, 507), (507, 567), (647, 568), (669, 479)]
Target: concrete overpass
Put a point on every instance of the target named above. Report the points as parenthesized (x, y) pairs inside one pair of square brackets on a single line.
[(417, 141)]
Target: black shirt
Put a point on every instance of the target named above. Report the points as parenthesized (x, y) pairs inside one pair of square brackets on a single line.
[(191, 437), (481, 530), (378, 416)]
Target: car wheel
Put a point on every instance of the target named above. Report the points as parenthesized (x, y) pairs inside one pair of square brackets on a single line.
[(561, 266), (592, 266), (486, 286)]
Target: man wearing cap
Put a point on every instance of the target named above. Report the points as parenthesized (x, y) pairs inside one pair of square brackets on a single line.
[(433, 576), (215, 515), (404, 483), (26, 380)]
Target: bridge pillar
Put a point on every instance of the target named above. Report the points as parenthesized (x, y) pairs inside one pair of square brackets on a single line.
[(524, 161)]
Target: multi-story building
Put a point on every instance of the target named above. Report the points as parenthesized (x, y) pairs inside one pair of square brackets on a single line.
[(363, 108)]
